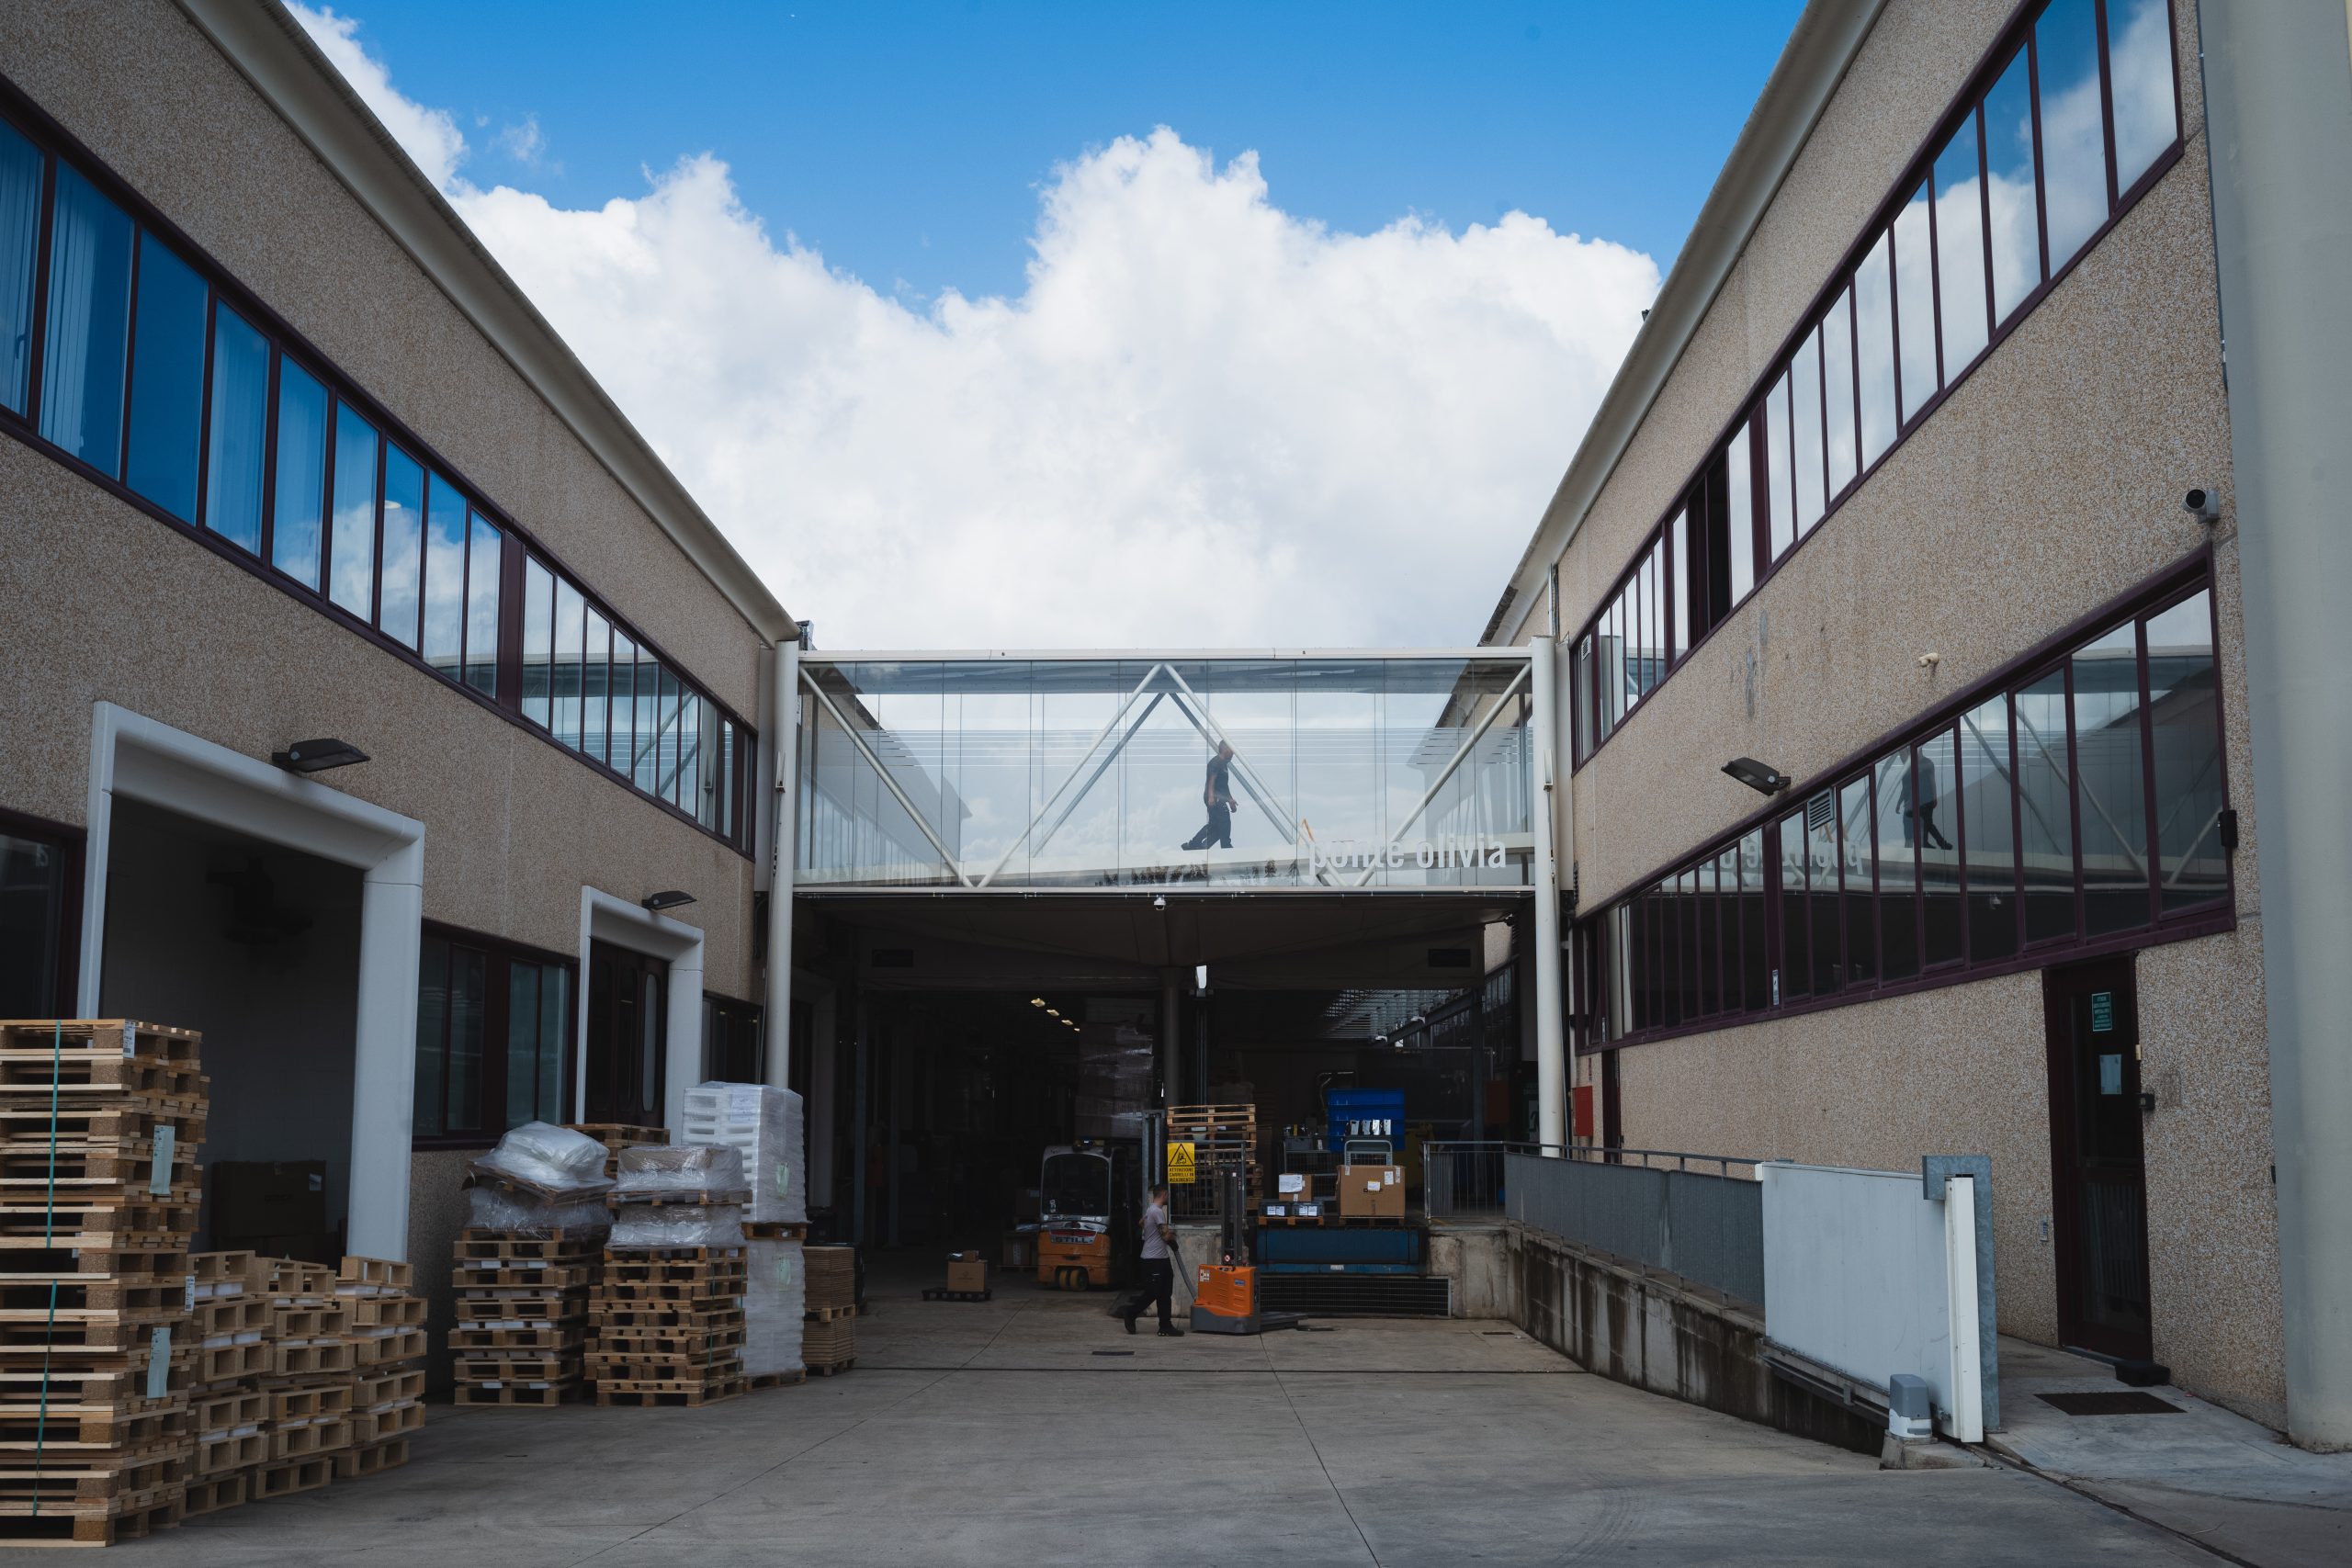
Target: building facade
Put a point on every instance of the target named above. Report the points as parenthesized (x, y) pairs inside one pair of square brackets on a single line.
[(288, 459), (1915, 499)]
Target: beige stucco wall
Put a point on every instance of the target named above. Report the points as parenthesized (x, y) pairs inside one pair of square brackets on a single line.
[(2048, 484), (100, 601)]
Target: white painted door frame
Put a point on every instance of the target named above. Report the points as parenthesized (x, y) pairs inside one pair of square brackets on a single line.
[(137, 758), (606, 918)]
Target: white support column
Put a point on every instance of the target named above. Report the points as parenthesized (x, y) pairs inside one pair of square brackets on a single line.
[(785, 761), (2278, 135), (1551, 1035), (383, 1087), (684, 1068), (1967, 1369)]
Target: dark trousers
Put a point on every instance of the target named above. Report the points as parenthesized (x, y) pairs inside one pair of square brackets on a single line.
[(1219, 831), (1160, 1286)]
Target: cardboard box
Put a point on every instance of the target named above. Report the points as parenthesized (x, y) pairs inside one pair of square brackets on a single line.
[(1374, 1192), (967, 1272)]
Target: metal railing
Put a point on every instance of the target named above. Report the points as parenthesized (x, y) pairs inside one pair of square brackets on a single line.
[(1650, 1208), (1700, 1216)]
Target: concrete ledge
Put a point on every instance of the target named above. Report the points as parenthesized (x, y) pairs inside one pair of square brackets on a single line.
[(1652, 1331)]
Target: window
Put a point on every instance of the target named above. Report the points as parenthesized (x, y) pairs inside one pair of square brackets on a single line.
[(182, 393), (1954, 850), (404, 547), (2018, 182), (299, 496), (445, 576), (492, 1023), (89, 324), (351, 547), (39, 879), (20, 182), (166, 380), (237, 451), (731, 1041)]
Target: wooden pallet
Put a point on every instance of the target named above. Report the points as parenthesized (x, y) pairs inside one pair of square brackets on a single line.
[(647, 1395), (477, 1368), (676, 1198), (212, 1494), (522, 1274), (381, 1349), (476, 1339), (530, 1309), (374, 1276), (555, 1247), (309, 1437), (775, 1230), (296, 1476), (829, 1313), (946, 1296), (673, 1317), (29, 1126), (777, 1380), (372, 1389), (76, 1430), (383, 1422), (140, 1295), (351, 1464), (76, 1527), (216, 1457), (169, 1263), (621, 1135), (515, 1395), (634, 1271), (831, 1368), (121, 1036)]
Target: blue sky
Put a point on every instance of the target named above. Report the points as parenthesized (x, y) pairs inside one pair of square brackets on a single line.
[(908, 142)]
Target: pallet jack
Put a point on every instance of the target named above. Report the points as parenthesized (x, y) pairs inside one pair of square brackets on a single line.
[(1224, 1293)]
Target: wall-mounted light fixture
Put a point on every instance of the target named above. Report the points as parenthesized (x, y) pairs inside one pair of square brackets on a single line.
[(672, 899), (1760, 777), (318, 756)]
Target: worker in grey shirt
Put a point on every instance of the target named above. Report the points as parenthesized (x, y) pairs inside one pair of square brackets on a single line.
[(1158, 1265)]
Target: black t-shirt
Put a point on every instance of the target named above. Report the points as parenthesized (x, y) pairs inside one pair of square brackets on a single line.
[(1220, 779)]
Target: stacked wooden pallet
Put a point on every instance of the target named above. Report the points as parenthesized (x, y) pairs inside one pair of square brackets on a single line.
[(387, 1381), (522, 1316), (1224, 1138), (308, 1386), (618, 1135), (829, 1338), (666, 1318), (229, 1302), (99, 1125)]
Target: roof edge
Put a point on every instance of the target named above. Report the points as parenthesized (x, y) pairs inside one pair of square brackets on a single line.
[(273, 52), (1823, 45)]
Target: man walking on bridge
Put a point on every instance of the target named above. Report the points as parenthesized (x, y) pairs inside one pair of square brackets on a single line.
[(1217, 793)]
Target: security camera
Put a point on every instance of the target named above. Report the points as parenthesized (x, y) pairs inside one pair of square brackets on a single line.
[(1158, 902), (2202, 504)]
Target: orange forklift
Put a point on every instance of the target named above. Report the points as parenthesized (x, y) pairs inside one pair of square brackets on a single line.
[(1090, 1198)]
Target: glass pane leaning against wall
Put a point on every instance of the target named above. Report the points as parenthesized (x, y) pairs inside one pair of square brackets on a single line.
[(89, 324), (2184, 722), (2139, 79), (237, 446), (20, 180), (166, 380)]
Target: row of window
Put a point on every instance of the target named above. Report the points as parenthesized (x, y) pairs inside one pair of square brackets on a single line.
[(491, 1029), (119, 354), (2080, 108), (2077, 806)]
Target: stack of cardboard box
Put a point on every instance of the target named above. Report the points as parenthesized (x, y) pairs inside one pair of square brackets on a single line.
[(829, 1338)]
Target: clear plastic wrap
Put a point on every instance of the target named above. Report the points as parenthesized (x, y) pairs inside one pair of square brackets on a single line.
[(768, 1125), (693, 1168), (775, 1295), (494, 1207), (552, 1160), (644, 1226)]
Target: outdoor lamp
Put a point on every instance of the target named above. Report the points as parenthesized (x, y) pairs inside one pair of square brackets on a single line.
[(1760, 777), (318, 756), (672, 899)]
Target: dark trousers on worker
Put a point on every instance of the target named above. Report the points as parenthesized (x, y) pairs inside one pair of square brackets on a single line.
[(1158, 1285), (1219, 834)]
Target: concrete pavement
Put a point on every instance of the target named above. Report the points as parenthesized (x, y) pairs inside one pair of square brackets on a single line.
[(992, 1434)]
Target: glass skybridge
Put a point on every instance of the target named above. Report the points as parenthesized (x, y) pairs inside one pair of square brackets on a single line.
[(1039, 771)]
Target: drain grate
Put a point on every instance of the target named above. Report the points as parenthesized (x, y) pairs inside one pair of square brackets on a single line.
[(1114, 1352), (2118, 1403)]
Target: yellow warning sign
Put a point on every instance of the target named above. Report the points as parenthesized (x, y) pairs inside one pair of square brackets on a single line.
[(1180, 1164)]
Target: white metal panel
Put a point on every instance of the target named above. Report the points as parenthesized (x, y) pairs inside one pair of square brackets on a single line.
[(1855, 1275)]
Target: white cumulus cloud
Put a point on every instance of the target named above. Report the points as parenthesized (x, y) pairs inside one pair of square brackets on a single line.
[(1203, 421)]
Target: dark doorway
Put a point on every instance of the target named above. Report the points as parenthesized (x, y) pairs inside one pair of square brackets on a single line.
[(627, 1035), (2099, 1192)]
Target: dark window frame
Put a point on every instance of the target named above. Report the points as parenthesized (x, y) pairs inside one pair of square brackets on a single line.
[(59, 149), (494, 1018), (2164, 591), (2015, 35)]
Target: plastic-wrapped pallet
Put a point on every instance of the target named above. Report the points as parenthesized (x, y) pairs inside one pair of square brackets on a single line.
[(774, 1297), (767, 1124)]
